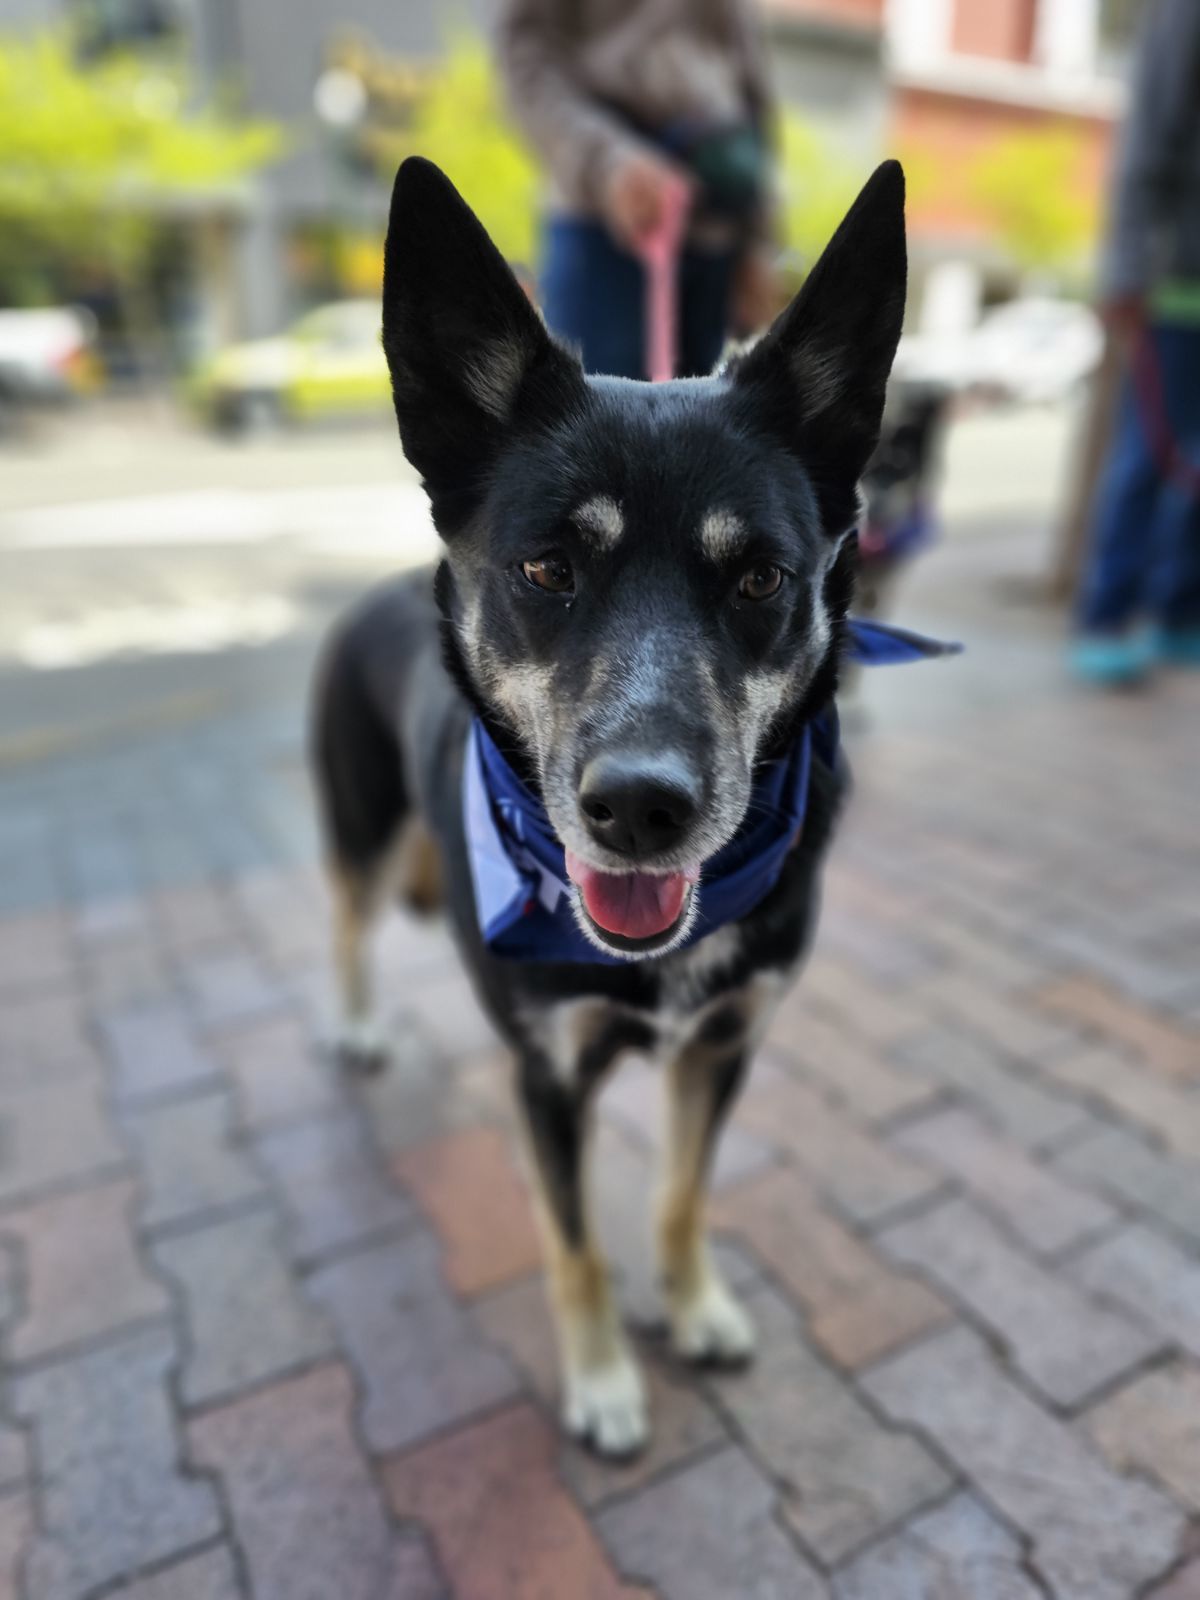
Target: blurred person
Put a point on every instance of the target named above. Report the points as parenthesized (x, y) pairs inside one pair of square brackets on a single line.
[(625, 101), (1143, 564)]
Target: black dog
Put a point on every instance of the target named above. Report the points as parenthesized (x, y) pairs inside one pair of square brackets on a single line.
[(615, 694)]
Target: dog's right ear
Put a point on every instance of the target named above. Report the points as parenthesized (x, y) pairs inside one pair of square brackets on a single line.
[(468, 355), (818, 376)]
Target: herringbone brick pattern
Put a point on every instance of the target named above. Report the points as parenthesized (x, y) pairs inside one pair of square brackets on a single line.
[(269, 1332)]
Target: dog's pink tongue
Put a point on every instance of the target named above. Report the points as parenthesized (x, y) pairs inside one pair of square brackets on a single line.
[(636, 905)]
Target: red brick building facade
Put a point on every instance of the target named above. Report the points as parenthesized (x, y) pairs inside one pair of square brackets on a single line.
[(960, 76)]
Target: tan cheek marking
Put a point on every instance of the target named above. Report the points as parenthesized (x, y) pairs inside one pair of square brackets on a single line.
[(764, 693), (526, 693)]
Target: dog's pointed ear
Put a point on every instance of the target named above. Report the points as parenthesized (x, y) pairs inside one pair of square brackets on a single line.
[(467, 353), (817, 377)]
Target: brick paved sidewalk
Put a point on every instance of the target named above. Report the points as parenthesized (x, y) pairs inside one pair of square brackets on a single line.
[(271, 1333)]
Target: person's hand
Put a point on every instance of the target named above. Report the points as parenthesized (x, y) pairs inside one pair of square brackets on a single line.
[(1123, 315), (636, 195), (754, 297)]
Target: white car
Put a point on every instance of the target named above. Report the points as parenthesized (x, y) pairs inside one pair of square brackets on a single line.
[(46, 355), (1034, 350)]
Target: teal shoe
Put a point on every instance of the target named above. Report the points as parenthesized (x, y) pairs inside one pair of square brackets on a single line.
[(1178, 647), (1111, 660)]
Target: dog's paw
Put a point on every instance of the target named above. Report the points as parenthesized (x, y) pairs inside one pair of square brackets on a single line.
[(712, 1327), (360, 1045), (606, 1407)]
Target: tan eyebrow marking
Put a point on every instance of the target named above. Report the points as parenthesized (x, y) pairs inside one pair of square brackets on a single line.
[(723, 535), (601, 519)]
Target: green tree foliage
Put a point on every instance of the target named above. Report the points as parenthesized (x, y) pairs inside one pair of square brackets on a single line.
[(97, 159), (1034, 187), (817, 186), (460, 121)]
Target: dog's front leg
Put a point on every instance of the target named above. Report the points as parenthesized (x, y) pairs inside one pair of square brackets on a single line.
[(603, 1397), (358, 1040), (707, 1323)]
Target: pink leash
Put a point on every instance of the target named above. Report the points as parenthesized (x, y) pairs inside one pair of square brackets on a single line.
[(659, 254)]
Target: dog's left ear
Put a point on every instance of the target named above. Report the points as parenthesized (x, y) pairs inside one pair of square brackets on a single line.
[(817, 377), (469, 357)]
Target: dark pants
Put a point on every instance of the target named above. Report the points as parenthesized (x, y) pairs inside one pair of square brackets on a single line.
[(593, 296), (1145, 550)]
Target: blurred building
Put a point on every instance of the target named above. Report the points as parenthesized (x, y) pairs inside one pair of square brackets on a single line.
[(285, 61), (829, 59), (299, 64), (939, 79), (944, 81)]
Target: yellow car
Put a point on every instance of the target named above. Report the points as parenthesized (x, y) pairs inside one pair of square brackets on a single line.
[(328, 364)]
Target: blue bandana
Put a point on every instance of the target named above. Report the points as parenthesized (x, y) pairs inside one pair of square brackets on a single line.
[(518, 866)]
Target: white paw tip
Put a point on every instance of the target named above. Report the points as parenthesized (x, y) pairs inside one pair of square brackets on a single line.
[(360, 1043), (712, 1327), (607, 1408)]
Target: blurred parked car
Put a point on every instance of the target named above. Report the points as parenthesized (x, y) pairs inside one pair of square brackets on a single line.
[(329, 363), (1033, 350), (46, 356)]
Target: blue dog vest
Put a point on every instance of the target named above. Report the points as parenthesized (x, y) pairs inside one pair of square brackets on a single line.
[(518, 866)]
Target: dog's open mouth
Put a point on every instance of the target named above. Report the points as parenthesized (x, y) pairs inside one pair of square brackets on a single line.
[(633, 911)]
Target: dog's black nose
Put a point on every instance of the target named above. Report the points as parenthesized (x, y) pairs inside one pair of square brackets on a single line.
[(637, 803)]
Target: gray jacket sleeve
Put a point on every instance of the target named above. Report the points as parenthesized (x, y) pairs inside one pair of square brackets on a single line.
[(766, 226), (1158, 137), (578, 140)]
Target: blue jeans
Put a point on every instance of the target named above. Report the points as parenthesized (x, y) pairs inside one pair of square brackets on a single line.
[(593, 296), (1145, 550)]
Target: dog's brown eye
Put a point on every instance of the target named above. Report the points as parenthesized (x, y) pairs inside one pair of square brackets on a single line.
[(761, 581), (551, 573)]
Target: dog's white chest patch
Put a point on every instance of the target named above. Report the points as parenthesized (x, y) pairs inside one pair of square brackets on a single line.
[(566, 1031), (687, 977), (688, 1002)]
